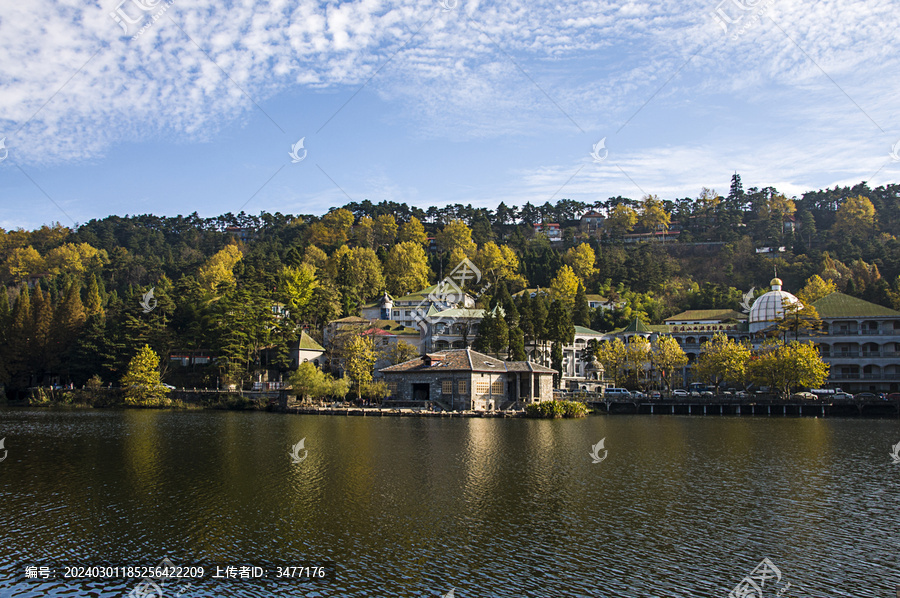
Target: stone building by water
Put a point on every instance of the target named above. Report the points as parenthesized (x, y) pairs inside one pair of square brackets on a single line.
[(463, 379)]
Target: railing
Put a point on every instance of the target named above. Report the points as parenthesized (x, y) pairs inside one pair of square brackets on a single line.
[(840, 354), (858, 376)]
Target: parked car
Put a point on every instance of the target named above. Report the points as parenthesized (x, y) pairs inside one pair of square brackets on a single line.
[(804, 396), (865, 396), (616, 393), (655, 395), (742, 394), (841, 396), (680, 393), (894, 396)]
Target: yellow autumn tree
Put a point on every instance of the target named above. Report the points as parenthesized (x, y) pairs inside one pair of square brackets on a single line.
[(855, 217), (564, 286), (219, 269)]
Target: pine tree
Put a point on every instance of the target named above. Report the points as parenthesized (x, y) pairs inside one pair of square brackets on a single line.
[(517, 345), (69, 317), (5, 325), (93, 304), (581, 315), (539, 318), (526, 321), (556, 357), (20, 336), (42, 353)]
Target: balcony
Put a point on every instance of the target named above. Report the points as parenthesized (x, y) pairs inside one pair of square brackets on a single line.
[(858, 376)]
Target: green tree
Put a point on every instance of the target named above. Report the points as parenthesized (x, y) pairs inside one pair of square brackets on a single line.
[(581, 313), (517, 345), (667, 356), (721, 359), (68, 319), (42, 352), (308, 381), (493, 333), (93, 304), (360, 357), (5, 329), (141, 383), (21, 331)]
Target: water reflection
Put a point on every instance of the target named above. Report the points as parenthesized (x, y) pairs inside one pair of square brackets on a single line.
[(413, 507)]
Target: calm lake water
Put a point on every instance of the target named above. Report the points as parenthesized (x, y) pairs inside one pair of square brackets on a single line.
[(681, 506)]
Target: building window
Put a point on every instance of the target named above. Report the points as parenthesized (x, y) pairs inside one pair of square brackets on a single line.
[(462, 387), (392, 387), (497, 387), (447, 387), (482, 387)]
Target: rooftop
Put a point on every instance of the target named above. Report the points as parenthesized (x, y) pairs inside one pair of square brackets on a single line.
[(308, 344), (839, 305), (696, 315), (582, 331), (464, 360)]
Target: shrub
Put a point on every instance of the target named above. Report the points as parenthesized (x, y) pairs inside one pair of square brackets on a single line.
[(556, 409)]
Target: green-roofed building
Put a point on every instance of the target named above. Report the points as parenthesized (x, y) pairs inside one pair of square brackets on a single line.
[(307, 349), (860, 340)]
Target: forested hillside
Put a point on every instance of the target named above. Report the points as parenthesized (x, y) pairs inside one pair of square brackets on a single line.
[(73, 306)]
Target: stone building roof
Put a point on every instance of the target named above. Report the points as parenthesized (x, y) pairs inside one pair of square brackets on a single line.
[(464, 360)]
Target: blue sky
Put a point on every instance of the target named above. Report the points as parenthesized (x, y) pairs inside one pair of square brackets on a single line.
[(430, 103)]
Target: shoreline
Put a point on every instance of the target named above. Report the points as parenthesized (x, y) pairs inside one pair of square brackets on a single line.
[(710, 408)]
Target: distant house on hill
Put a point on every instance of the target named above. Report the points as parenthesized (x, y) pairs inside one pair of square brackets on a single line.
[(592, 222), (551, 230)]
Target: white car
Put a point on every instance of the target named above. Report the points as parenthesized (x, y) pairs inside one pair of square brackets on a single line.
[(680, 392)]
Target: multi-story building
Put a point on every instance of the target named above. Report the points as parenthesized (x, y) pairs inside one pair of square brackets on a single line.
[(861, 342)]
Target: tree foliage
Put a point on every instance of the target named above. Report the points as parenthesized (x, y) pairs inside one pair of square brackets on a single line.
[(141, 384), (784, 367), (722, 359)]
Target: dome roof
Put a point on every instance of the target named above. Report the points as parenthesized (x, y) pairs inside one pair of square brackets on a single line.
[(770, 306)]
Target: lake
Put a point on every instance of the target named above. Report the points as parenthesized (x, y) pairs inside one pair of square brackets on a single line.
[(677, 506)]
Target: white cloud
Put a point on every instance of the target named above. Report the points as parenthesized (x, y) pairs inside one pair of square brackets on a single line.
[(459, 77)]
